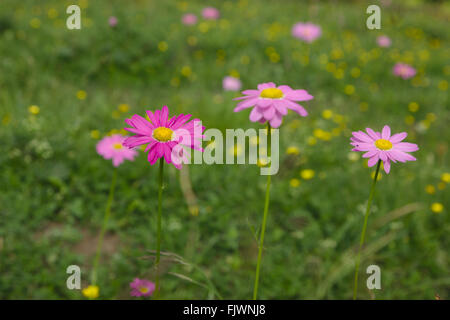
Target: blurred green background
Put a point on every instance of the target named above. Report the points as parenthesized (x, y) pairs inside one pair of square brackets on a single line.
[(62, 90)]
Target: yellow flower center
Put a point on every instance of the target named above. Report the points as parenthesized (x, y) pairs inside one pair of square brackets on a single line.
[(143, 289), (383, 144), (117, 146), (271, 93), (162, 134)]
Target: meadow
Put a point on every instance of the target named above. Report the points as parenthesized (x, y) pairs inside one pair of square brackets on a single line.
[(62, 90)]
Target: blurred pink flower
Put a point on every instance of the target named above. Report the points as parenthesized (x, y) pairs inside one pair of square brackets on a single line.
[(112, 21), (382, 146), (384, 41), (230, 83), (189, 19), (141, 288), (271, 103), (165, 137), (307, 32), (111, 147), (210, 13), (404, 70)]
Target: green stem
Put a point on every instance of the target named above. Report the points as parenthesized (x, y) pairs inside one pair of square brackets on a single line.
[(103, 229), (363, 233), (158, 236), (266, 210)]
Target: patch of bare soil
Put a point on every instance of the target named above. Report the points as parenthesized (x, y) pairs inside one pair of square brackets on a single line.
[(87, 246)]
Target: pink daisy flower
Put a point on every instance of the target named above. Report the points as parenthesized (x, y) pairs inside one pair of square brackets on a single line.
[(404, 70), (271, 103), (383, 146), (112, 21), (210, 13), (189, 19), (230, 83), (384, 41), (111, 147), (141, 288), (307, 32), (165, 137)]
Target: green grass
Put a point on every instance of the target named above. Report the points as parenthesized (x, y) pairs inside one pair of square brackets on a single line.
[(54, 186)]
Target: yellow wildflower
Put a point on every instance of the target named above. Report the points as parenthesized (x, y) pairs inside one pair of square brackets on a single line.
[(445, 177), (35, 23), (123, 107), (186, 71), (327, 114), (349, 89), (430, 189), (95, 134), (163, 46), (34, 109), (294, 183), (91, 292), (292, 150), (81, 94), (413, 107), (307, 174), (437, 207)]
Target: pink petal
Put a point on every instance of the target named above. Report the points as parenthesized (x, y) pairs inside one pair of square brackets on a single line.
[(135, 141), (407, 156), (296, 107), (150, 145), (138, 131), (386, 132), (281, 107), (275, 122), (251, 92), (269, 113), (264, 103), (167, 153), (267, 85), (285, 89), (140, 123), (164, 116), (153, 118), (242, 98), (117, 160), (159, 148), (374, 135), (299, 95), (255, 115), (152, 155), (245, 104), (406, 146), (157, 114), (401, 156), (362, 136), (362, 146), (372, 161), (178, 123), (387, 166), (390, 156), (398, 137), (370, 154)]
